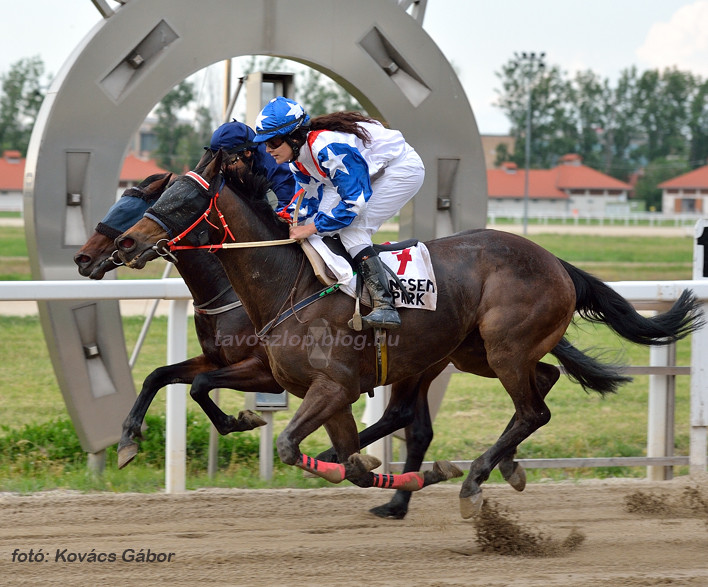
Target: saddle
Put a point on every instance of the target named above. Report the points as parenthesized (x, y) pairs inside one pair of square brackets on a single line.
[(334, 244)]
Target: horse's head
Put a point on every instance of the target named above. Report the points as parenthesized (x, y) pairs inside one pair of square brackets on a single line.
[(96, 257), (180, 206)]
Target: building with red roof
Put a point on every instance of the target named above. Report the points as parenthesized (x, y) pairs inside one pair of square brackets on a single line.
[(686, 193), (136, 169), (568, 188), (12, 172)]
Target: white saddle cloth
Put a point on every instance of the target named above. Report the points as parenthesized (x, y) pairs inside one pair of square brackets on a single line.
[(412, 266)]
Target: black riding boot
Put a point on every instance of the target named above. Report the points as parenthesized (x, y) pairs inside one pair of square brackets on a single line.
[(383, 313)]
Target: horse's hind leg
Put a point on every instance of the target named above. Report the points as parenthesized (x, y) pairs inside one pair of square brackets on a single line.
[(531, 414), (512, 471)]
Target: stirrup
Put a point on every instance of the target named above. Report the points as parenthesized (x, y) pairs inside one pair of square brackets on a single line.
[(388, 318)]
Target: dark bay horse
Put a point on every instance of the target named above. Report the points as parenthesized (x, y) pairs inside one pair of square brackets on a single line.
[(503, 304), (239, 366), (217, 309)]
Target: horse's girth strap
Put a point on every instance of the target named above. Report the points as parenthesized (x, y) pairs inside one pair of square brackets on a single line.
[(381, 356)]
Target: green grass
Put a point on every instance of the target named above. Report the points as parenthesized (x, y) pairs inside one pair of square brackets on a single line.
[(39, 449), (12, 241)]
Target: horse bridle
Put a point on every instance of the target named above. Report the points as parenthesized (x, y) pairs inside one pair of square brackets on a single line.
[(165, 246)]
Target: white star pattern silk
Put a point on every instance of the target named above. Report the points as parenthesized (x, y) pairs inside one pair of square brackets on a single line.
[(335, 170), (295, 110), (335, 162), (259, 120)]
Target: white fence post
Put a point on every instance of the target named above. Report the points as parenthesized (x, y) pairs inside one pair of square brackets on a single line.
[(176, 431), (660, 437), (375, 406), (698, 455)]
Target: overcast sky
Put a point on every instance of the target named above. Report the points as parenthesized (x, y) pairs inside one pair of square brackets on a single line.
[(477, 37)]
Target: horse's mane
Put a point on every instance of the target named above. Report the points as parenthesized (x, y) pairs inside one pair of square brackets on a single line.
[(252, 189)]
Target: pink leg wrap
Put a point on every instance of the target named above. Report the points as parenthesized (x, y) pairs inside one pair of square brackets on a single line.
[(332, 472), (407, 481)]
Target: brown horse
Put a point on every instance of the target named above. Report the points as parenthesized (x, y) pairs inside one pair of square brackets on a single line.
[(503, 304), (217, 318)]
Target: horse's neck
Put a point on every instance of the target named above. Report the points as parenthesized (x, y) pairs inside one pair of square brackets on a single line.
[(263, 277), (204, 276), (268, 280)]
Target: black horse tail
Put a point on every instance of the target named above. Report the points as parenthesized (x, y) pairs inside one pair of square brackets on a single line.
[(590, 373), (598, 302)]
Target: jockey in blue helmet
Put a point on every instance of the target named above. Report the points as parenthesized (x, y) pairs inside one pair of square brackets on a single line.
[(355, 173), (236, 139)]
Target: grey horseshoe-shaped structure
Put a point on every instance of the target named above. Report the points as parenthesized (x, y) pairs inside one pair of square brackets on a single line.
[(141, 50)]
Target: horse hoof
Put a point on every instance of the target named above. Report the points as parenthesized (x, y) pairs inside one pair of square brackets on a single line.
[(471, 506), (447, 470), (518, 478), (389, 512), (126, 454), (365, 462), (251, 419)]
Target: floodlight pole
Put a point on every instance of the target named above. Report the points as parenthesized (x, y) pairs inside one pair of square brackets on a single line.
[(528, 159), (528, 59)]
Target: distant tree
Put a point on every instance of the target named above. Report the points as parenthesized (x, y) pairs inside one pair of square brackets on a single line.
[(698, 126), (180, 144), (553, 133), (502, 154), (656, 172), (20, 100), (661, 107), (642, 119)]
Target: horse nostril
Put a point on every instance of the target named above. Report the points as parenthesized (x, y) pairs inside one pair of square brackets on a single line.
[(126, 244), (82, 259)]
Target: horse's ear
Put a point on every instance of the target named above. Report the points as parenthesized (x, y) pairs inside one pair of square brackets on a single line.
[(167, 180), (214, 166), (206, 157)]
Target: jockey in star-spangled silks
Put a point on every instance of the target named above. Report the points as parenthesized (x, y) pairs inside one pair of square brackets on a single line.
[(355, 173)]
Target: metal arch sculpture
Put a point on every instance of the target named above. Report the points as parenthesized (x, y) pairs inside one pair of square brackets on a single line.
[(131, 59)]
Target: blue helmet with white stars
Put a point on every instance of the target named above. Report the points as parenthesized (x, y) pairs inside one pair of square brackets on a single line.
[(281, 116)]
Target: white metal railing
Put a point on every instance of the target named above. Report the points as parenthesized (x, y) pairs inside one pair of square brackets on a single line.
[(549, 217), (638, 292)]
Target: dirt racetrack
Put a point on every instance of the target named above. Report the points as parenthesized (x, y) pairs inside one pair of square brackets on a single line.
[(633, 532)]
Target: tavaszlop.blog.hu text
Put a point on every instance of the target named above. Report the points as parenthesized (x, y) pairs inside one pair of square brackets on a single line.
[(65, 555)]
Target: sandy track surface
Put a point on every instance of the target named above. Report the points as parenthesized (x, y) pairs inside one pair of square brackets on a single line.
[(327, 537)]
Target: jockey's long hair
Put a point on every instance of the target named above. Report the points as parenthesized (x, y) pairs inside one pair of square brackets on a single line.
[(347, 122)]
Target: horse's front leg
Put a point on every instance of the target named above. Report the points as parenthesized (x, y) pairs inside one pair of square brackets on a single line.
[(322, 407), (249, 375), (410, 397), (183, 372), (324, 400), (327, 402)]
